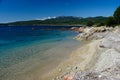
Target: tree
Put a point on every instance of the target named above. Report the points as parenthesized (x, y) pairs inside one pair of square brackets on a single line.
[(90, 23), (117, 15), (100, 24), (111, 22)]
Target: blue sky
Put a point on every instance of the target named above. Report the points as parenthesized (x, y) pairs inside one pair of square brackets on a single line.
[(17, 10)]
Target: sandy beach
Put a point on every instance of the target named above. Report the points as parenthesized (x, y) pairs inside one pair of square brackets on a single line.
[(60, 40), (93, 59), (80, 59)]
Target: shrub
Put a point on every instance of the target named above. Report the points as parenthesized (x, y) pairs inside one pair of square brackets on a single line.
[(90, 23), (117, 15), (111, 22)]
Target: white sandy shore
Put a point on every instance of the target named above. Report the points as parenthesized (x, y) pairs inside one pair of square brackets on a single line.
[(98, 59), (82, 58)]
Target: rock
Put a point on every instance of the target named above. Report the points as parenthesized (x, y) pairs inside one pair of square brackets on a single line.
[(93, 33), (57, 78), (74, 28), (60, 70), (99, 76), (81, 29), (75, 68)]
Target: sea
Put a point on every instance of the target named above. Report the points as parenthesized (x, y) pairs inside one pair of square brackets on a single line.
[(25, 50)]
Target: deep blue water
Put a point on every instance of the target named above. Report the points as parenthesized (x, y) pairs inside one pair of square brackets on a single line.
[(13, 35), (19, 43)]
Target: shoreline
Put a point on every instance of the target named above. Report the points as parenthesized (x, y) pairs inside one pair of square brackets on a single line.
[(93, 60), (35, 66), (98, 54), (77, 61)]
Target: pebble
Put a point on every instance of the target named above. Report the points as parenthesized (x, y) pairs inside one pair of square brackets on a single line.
[(100, 76), (60, 70), (75, 68)]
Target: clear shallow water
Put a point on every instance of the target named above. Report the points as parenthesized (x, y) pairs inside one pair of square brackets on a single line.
[(23, 49)]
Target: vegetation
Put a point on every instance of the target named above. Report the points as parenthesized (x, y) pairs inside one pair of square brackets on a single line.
[(62, 20), (74, 21), (111, 21), (117, 15), (90, 23), (100, 24)]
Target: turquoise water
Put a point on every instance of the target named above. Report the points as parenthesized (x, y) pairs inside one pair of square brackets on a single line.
[(27, 48)]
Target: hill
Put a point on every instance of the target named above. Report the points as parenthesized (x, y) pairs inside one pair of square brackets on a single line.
[(61, 20)]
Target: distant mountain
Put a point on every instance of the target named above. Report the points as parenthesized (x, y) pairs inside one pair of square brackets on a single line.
[(61, 20)]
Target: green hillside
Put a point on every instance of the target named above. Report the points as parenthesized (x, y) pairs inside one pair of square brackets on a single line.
[(61, 20)]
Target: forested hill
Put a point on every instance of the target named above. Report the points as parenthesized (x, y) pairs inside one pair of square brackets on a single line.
[(62, 20)]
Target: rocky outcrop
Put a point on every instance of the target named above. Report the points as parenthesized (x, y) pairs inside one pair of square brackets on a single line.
[(74, 28), (94, 33), (79, 29)]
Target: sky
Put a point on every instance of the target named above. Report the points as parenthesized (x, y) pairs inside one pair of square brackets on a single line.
[(18, 10)]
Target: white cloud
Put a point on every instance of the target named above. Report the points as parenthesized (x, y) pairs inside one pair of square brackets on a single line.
[(45, 18)]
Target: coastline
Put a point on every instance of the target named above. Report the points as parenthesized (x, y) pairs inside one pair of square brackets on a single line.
[(98, 54), (77, 61), (46, 56), (94, 60)]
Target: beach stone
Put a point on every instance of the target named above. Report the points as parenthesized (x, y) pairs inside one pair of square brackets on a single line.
[(60, 70), (99, 76), (57, 78), (75, 68)]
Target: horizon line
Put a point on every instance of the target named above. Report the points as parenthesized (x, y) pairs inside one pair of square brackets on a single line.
[(45, 18)]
